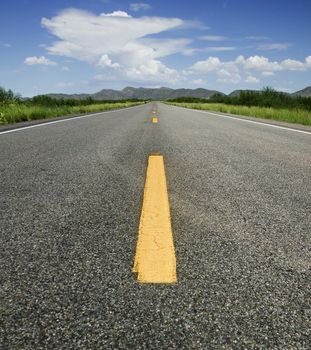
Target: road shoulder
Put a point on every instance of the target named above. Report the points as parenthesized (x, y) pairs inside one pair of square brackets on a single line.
[(294, 126)]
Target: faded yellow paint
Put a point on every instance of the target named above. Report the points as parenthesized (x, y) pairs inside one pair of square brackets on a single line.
[(155, 260), (154, 120)]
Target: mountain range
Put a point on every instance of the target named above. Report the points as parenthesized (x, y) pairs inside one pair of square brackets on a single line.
[(162, 93)]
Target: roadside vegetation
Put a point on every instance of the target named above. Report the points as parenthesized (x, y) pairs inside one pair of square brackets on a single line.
[(267, 104), (14, 109)]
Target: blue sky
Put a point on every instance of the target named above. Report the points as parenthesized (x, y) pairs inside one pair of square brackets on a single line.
[(84, 46)]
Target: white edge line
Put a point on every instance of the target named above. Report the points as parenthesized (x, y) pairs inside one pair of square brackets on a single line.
[(244, 120), (65, 120)]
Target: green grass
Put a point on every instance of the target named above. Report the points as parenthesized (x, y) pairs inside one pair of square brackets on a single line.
[(299, 116), (17, 112)]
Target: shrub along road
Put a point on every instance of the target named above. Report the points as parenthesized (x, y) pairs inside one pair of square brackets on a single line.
[(71, 196)]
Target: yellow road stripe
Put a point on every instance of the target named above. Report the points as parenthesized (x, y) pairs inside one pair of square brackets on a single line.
[(154, 120), (155, 260)]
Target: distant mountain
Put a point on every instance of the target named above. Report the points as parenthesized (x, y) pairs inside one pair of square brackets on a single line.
[(162, 93), (66, 96), (108, 94), (306, 92)]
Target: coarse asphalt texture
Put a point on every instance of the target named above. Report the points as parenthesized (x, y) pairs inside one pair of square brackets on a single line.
[(70, 199)]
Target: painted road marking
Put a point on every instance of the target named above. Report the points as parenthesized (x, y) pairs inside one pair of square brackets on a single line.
[(246, 120), (65, 120), (154, 120), (155, 260)]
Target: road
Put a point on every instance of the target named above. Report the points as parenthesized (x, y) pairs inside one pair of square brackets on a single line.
[(240, 199)]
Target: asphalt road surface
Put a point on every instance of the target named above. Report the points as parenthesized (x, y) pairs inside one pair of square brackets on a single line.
[(240, 197)]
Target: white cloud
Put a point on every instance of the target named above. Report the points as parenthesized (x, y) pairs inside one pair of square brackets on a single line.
[(65, 68), (263, 64), (208, 65), (115, 14), (252, 80), (231, 71), (117, 40), (191, 51), (39, 60), (86, 36), (105, 61), (226, 72), (139, 6), (7, 45), (219, 48), (260, 63), (225, 76), (214, 64), (213, 38), (166, 47), (153, 70), (256, 37), (276, 46), (293, 65)]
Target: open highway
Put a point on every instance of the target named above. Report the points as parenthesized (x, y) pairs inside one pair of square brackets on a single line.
[(71, 197)]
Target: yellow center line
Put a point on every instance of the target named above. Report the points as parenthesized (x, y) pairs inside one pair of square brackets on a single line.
[(155, 260), (154, 120)]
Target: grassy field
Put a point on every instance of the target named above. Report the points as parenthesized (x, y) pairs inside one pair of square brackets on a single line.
[(299, 116), (16, 112)]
